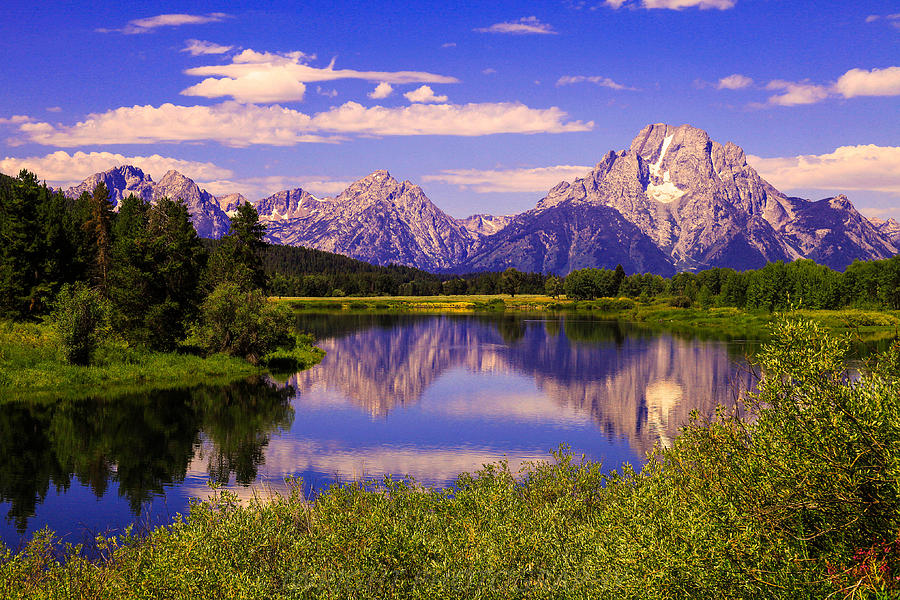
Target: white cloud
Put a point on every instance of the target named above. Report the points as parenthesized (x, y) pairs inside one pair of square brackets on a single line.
[(877, 82), (268, 77), (524, 26), (148, 24), (202, 48), (424, 94), (538, 179), (239, 125), (229, 123), (382, 90), (674, 4), (853, 83), (893, 20), (54, 109), (449, 45), (863, 167), (595, 79), (15, 120), (332, 93), (795, 93), (276, 85), (734, 82), (64, 170), (446, 119), (488, 71)]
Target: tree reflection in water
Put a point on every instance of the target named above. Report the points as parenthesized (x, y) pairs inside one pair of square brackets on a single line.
[(142, 441)]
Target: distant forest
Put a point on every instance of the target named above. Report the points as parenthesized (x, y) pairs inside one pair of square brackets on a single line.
[(48, 240)]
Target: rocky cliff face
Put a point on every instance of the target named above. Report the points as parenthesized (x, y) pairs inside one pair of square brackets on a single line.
[(377, 219), (121, 182)]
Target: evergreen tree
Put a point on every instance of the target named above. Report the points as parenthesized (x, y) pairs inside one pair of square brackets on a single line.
[(99, 228), (238, 257)]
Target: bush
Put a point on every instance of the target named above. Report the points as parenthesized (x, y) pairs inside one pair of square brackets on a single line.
[(243, 323), (77, 315), (680, 302)]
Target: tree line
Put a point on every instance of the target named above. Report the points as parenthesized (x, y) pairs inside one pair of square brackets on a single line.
[(776, 286)]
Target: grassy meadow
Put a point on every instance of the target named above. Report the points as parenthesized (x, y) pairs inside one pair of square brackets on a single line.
[(32, 368)]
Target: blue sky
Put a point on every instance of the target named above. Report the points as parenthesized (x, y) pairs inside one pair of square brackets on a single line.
[(486, 105)]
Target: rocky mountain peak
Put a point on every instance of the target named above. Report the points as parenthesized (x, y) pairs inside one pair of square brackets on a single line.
[(121, 181), (230, 203)]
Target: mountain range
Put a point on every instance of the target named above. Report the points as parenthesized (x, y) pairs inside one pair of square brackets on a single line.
[(675, 200)]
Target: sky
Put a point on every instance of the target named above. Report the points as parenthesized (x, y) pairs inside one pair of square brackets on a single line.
[(486, 105)]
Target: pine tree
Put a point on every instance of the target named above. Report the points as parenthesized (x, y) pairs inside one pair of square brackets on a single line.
[(98, 227)]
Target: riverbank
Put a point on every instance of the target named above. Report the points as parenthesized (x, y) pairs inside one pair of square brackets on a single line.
[(735, 508), (31, 367), (867, 324)]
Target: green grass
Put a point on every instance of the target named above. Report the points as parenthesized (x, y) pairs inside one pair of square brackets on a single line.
[(801, 499), (732, 322), (31, 367)]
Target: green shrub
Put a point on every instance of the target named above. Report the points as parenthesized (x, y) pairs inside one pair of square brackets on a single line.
[(680, 302), (243, 323), (77, 315)]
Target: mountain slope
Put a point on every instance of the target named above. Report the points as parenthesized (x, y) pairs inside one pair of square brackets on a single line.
[(570, 235), (377, 219)]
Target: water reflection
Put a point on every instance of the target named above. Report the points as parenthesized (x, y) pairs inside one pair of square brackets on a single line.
[(631, 384), (143, 442)]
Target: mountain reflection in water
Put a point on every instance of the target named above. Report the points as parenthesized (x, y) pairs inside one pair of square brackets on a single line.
[(632, 384), (424, 396)]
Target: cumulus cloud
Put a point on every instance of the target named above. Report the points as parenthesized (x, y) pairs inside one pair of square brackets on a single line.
[(673, 4), (524, 26), (148, 24), (64, 170), (229, 123), (877, 82), (446, 119), (595, 79), (202, 48), (382, 90), (332, 93), (424, 94), (15, 120), (863, 167), (852, 84), (239, 125), (734, 82), (795, 93), (269, 77), (538, 179)]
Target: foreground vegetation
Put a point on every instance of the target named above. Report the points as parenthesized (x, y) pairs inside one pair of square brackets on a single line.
[(800, 498), (31, 366)]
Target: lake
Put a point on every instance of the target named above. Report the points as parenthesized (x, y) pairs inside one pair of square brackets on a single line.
[(424, 396)]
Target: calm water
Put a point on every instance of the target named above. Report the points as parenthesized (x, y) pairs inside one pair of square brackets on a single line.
[(418, 395)]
